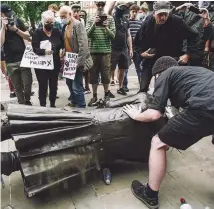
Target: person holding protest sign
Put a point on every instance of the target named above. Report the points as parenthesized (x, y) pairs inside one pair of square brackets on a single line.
[(76, 42), (48, 77)]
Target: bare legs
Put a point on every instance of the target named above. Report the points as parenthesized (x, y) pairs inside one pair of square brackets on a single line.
[(157, 163)]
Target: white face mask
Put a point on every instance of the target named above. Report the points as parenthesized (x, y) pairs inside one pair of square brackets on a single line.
[(64, 21), (140, 16)]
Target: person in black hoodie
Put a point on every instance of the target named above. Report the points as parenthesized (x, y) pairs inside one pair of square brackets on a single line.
[(162, 34), (48, 77)]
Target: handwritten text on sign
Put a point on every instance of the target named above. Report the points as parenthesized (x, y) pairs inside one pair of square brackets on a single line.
[(70, 65), (32, 60)]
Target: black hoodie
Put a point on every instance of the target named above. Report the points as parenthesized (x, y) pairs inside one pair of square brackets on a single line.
[(167, 39)]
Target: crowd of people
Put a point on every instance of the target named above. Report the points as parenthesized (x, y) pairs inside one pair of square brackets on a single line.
[(167, 37), (125, 34)]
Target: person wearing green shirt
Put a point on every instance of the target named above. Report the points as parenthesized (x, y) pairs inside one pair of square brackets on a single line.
[(101, 31)]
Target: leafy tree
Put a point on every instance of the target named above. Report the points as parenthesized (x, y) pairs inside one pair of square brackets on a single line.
[(30, 11)]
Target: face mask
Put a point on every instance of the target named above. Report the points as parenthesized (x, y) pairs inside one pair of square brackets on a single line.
[(49, 27), (140, 16), (64, 21)]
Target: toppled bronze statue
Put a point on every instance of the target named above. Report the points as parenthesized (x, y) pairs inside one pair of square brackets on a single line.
[(54, 145)]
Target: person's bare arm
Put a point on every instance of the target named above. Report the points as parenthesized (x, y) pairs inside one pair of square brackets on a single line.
[(149, 115), (130, 43), (24, 35), (111, 7), (3, 28)]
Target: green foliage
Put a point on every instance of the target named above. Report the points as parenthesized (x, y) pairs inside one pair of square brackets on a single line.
[(30, 10)]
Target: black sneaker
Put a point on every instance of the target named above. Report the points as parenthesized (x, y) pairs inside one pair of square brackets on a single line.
[(92, 102), (2, 107), (121, 91), (110, 95), (12, 94), (112, 83), (125, 89), (139, 191), (87, 91), (28, 103), (106, 98), (70, 104)]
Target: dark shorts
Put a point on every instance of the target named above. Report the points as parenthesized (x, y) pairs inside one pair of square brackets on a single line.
[(120, 58), (187, 128), (102, 64)]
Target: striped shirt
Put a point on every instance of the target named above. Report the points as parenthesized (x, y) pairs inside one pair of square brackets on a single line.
[(100, 37), (134, 26)]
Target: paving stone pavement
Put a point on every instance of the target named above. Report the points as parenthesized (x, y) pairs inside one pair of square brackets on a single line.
[(190, 174)]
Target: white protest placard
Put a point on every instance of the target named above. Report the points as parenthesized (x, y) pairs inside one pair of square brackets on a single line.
[(32, 60), (70, 65)]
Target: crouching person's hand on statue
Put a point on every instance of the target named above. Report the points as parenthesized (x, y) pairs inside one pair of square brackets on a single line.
[(132, 111)]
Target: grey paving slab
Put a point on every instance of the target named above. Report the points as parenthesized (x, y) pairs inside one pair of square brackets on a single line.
[(122, 176), (86, 198), (177, 160), (204, 148), (123, 199), (172, 191), (199, 181)]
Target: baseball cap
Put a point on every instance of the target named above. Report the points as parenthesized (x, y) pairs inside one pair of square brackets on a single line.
[(6, 9), (99, 2), (74, 6), (161, 6)]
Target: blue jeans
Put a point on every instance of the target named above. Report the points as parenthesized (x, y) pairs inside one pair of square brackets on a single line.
[(137, 62), (137, 59), (125, 80), (76, 90)]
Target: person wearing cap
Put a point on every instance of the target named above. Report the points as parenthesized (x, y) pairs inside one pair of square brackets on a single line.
[(201, 24), (13, 34), (100, 30), (162, 34), (76, 8), (191, 88)]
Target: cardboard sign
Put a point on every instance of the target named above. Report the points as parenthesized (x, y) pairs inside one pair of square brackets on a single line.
[(32, 60), (70, 65)]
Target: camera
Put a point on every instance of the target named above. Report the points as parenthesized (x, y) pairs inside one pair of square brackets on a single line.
[(194, 10), (102, 19), (11, 21)]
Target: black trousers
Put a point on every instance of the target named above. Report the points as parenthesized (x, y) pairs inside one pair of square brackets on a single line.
[(146, 77), (47, 78)]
